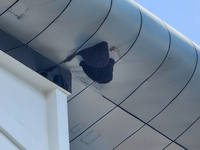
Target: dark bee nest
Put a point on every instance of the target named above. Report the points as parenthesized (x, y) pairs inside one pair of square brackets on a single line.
[(101, 75), (96, 56)]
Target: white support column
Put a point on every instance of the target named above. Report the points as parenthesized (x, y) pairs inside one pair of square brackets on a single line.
[(57, 118)]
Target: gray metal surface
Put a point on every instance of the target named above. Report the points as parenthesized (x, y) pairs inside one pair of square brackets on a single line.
[(152, 103)]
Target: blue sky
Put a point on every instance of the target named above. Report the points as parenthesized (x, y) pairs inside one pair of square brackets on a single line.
[(183, 15)]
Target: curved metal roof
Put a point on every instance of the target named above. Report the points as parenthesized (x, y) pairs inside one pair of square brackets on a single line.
[(152, 101)]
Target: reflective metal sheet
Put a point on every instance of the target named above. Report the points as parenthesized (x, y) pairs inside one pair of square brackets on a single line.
[(38, 15), (86, 109), (160, 76), (146, 138), (174, 147), (169, 80), (112, 129), (5, 4), (190, 139)]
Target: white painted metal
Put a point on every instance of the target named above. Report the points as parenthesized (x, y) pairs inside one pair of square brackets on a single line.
[(57, 117), (27, 112), (6, 143)]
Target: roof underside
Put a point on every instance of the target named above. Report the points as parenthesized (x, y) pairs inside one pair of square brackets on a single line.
[(152, 103)]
